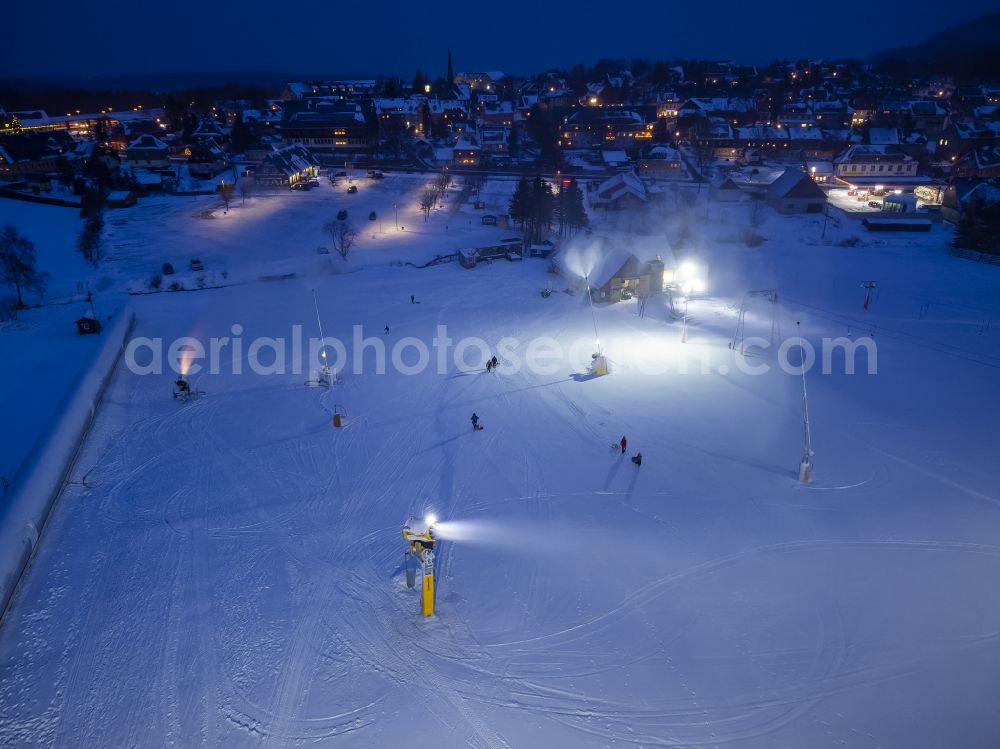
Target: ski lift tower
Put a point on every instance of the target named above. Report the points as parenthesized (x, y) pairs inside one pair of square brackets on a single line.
[(769, 296), (420, 534)]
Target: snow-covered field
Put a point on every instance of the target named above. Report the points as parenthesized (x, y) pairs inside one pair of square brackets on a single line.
[(233, 575)]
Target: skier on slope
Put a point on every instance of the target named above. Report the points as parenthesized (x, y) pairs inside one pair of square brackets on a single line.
[(475, 422), (637, 459), (494, 362), (623, 444)]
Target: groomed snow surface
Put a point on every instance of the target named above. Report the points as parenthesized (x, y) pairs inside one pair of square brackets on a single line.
[(233, 574)]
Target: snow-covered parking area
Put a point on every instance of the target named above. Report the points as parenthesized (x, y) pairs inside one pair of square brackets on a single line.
[(232, 575)]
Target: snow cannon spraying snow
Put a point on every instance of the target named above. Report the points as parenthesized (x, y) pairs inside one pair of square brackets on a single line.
[(420, 535), (183, 390), (599, 364)]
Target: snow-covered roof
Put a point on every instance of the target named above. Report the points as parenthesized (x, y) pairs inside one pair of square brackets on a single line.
[(621, 185), (794, 183), (663, 153), (147, 143), (883, 136), (870, 153), (598, 258)]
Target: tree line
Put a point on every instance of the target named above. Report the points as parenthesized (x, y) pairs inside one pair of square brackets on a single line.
[(535, 207)]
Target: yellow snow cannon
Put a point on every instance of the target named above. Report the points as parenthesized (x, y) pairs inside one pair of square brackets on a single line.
[(420, 534)]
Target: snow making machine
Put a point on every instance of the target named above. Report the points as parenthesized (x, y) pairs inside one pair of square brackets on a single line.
[(183, 390), (420, 535)]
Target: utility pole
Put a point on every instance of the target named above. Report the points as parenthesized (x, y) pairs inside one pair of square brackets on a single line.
[(325, 374), (805, 467)]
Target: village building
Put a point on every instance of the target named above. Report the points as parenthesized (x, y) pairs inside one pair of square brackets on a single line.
[(662, 162), (795, 192), (624, 191), (329, 127), (147, 152), (286, 167), (33, 153), (467, 153), (874, 163), (620, 267)]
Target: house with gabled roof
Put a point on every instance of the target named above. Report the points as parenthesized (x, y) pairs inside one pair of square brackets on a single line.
[(149, 152), (795, 192), (616, 267), (621, 192), (286, 167)]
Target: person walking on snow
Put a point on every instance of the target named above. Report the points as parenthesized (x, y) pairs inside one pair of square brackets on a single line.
[(387, 330), (475, 422), (411, 299), (623, 443), (494, 362), (637, 459), (489, 365)]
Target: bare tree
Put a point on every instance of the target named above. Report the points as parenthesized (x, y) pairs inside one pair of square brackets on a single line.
[(246, 189), (441, 183), (342, 235), (427, 202), (226, 194), (90, 241), (18, 263)]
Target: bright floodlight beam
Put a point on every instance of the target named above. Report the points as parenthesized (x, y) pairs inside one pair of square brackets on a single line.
[(690, 278)]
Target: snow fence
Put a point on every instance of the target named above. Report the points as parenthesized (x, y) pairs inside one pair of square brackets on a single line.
[(38, 483)]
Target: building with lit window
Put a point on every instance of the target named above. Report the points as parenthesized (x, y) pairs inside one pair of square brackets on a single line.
[(286, 167), (33, 153), (329, 127), (148, 152), (878, 162), (467, 153), (662, 162)]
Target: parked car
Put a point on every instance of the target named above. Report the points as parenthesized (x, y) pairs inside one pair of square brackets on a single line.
[(372, 174), (352, 189), (196, 264), (342, 215), (372, 216), (168, 269), (302, 186), (874, 204)]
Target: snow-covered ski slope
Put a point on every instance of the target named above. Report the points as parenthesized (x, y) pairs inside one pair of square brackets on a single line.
[(233, 576)]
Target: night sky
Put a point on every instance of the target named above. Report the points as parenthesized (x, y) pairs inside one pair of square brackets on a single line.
[(60, 38)]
